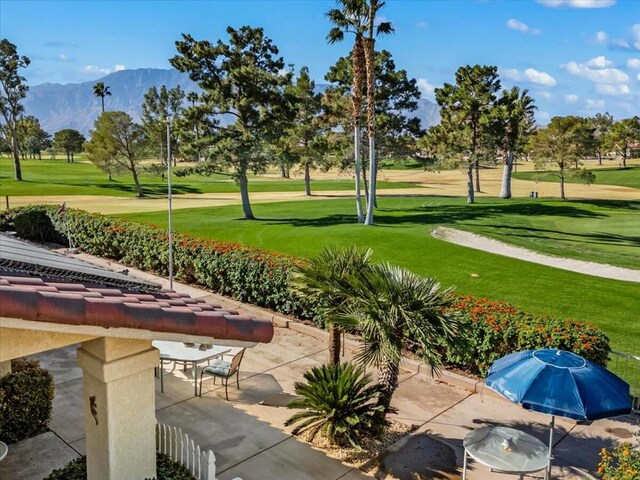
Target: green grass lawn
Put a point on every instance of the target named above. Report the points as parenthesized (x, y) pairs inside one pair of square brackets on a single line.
[(57, 177), (629, 177), (402, 236)]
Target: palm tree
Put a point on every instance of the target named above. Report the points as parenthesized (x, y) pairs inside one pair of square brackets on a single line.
[(325, 279), (339, 402), (369, 55), (516, 110), (389, 306), (352, 18), (100, 90)]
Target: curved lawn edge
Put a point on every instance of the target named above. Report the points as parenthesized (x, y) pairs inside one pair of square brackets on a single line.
[(478, 242)]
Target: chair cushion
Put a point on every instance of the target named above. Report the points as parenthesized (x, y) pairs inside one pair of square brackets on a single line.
[(218, 367)]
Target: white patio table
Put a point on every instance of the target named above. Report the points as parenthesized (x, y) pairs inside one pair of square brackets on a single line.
[(505, 450), (179, 352), (3, 450)]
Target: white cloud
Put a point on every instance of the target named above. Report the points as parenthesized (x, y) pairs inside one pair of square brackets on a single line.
[(594, 104), (636, 36), (422, 25), (601, 37), (519, 26), (605, 89), (596, 75), (530, 75), (571, 98), (94, 69), (544, 94), (425, 87), (578, 3), (599, 62), (63, 57), (633, 63), (638, 77)]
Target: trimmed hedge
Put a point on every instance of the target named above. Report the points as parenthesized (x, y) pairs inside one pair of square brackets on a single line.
[(256, 276), (166, 469), (26, 401)]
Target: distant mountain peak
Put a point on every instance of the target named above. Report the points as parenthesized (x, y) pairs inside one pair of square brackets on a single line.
[(73, 105)]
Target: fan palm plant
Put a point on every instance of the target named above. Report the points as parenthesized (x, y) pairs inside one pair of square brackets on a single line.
[(101, 90), (325, 279), (515, 112), (381, 28), (389, 306), (339, 402), (351, 17)]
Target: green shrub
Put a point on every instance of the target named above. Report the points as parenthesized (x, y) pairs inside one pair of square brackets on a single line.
[(252, 275), (26, 401), (495, 329), (166, 469), (338, 402), (32, 223)]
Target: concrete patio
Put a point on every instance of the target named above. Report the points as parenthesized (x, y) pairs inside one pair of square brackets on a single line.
[(250, 442)]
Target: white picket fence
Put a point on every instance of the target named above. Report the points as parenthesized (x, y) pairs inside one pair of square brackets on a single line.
[(178, 446)]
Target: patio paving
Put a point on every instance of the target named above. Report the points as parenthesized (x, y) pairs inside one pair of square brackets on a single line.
[(250, 442)]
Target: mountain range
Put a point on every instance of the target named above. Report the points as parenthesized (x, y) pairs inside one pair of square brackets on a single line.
[(74, 105)]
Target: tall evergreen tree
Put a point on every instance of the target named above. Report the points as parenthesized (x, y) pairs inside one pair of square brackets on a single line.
[(12, 92), (243, 79), (305, 139), (157, 107), (623, 134), (601, 124), (465, 108)]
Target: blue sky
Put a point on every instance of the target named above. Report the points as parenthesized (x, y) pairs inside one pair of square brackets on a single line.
[(575, 56)]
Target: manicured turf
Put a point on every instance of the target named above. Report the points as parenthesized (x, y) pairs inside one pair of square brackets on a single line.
[(402, 236), (629, 177), (57, 177)]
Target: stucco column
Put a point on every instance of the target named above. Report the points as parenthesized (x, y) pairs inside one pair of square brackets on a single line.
[(119, 408)]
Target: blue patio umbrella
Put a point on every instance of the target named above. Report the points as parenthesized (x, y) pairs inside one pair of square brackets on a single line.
[(559, 383)]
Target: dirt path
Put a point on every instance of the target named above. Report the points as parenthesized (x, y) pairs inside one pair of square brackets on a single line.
[(478, 242)]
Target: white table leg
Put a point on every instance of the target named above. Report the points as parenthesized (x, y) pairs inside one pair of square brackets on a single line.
[(195, 379), (464, 466)]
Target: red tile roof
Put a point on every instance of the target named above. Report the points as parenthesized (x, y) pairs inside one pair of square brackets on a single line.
[(32, 298)]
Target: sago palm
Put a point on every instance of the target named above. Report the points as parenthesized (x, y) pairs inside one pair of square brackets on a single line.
[(325, 280), (339, 402), (389, 306)]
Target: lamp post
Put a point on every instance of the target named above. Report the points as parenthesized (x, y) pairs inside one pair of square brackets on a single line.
[(169, 199)]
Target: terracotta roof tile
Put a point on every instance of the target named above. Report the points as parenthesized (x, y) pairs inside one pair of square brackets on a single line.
[(32, 298)]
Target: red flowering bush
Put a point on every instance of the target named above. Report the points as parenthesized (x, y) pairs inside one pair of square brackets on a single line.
[(495, 329)]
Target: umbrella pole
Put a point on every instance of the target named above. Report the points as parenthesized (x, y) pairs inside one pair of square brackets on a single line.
[(552, 425)]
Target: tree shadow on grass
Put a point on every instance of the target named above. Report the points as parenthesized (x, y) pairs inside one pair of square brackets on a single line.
[(441, 214), (596, 238)]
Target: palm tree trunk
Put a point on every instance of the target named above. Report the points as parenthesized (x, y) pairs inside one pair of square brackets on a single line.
[(369, 48), (307, 179), (388, 378), (506, 176), (244, 194), (358, 81), (365, 184), (334, 344), (470, 194), (102, 99)]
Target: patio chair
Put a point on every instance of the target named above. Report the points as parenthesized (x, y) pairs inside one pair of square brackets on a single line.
[(224, 370)]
